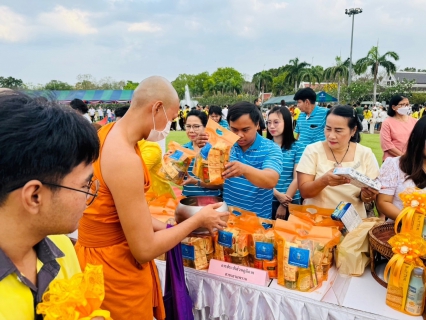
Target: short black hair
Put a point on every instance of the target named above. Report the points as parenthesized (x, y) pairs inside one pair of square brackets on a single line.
[(80, 105), (283, 102), (394, 101), (120, 112), (200, 114), (287, 136), (256, 100), (215, 110), (306, 94), (353, 120), (241, 108), (41, 141), (411, 163)]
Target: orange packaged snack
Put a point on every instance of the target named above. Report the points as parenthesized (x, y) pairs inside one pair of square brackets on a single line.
[(210, 162), (304, 254), (316, 216), (175, 165)]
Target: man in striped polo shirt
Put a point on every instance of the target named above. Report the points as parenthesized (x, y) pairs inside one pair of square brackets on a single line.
[(311, 122), (255, 163)]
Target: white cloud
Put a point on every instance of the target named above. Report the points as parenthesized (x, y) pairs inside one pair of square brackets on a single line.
[(13, 26), (72, 21), (143, 27)]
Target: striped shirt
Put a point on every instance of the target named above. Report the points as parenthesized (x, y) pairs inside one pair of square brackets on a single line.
[(224, 123), (194, 190), (291, 158), (239, 192), (311, 129)]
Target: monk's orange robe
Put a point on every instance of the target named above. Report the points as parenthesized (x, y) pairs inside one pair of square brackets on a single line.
[(132, 290)]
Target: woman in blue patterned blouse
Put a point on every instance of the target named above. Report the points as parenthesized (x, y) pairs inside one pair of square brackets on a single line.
[(196, 122)]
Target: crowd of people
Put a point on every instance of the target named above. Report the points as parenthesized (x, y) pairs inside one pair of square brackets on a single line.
[(57, 173)]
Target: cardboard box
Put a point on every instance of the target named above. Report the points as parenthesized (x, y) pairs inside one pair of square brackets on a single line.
[(357, 178)]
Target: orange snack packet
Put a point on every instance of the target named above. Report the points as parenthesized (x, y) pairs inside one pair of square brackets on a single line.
[(210, 161), (175, 165)]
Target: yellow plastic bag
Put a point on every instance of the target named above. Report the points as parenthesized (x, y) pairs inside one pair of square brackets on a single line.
[(210, 161), (413, 214), (175, 165)]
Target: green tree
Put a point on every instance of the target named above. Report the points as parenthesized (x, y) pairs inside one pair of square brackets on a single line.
[(227, 80), (409, 69), (337, 72), (374, 61), (418, 97), (130, 85), (357, 91), (11, 83), (279, 84), (57, 85), (197, 87), (295, 69), (180, 82), (86, 82), (312, 74), (403, 87), (263, 81)]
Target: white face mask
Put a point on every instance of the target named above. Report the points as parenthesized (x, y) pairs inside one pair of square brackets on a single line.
[(404, 111), (155, 135)]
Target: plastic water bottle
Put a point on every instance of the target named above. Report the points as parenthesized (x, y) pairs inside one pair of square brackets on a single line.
[(416, 293)]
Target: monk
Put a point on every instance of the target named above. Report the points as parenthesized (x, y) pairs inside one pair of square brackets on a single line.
[(117, 230)]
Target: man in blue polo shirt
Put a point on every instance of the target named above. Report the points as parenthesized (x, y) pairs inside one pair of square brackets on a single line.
[(311, 122), (255, 163)]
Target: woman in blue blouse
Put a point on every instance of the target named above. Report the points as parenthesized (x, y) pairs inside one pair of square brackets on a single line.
[(280, 130), (196, 122), (215, 113)]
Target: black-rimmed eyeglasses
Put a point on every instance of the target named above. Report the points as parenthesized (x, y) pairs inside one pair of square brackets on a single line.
[(90, 197)]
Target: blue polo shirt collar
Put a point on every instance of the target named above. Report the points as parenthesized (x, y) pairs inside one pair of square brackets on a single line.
[(256, 144), (313, 112)]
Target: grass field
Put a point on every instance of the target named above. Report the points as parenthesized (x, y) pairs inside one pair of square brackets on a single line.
[(369, 140)]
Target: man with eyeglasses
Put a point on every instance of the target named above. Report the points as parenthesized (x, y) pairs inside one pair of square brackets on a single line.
[(117, 230), (45, 184)]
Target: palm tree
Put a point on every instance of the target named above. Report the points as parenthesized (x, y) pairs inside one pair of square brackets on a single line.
[(262, 80), (375, 60), (340, 70), (294, 69), (312, 74)]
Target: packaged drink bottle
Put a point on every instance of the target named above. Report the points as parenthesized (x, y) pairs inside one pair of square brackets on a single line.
[(416, 293)]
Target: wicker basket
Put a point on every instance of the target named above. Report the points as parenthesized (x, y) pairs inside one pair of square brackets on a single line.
[(380, 249)]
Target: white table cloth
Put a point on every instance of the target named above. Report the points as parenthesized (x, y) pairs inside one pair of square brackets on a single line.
[(220, 298)]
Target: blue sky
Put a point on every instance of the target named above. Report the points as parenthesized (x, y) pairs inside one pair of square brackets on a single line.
[(133, 39)]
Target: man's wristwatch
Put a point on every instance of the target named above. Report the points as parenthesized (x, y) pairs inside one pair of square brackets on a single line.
[(199, 183)]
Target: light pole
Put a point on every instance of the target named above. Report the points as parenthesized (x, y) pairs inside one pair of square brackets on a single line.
[(352, 12)]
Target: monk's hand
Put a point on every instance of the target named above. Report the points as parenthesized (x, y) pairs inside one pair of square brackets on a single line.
[(202, 139), (211, 219), (234, 169)]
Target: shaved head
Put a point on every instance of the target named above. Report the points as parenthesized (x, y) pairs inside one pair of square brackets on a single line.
[(154, 89)]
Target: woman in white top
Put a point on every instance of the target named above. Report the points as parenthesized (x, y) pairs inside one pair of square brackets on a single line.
[(400, 173), (317, 183), (81, 107)]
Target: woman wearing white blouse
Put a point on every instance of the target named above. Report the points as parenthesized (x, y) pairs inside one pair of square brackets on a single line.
[(317, 183), (400, 173)]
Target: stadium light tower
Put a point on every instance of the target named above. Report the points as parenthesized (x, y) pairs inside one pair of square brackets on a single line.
[(352, 12)]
